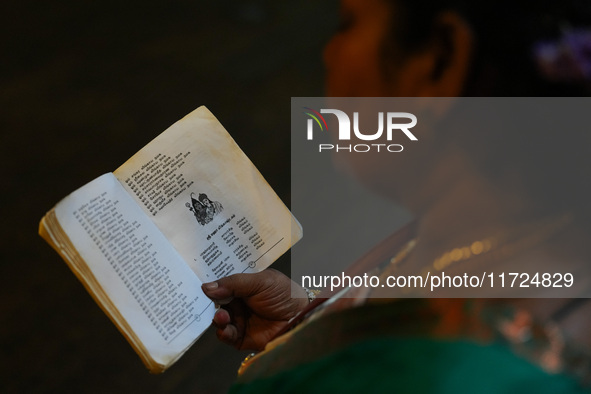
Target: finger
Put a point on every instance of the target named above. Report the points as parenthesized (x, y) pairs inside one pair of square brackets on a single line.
[(230, 323), (221, 318), (238, 314), (228, 335)]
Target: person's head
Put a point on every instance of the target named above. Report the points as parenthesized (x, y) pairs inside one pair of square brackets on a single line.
[(204, 200), (450, 48)]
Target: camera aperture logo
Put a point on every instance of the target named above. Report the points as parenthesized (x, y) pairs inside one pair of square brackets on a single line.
[(391, 119)]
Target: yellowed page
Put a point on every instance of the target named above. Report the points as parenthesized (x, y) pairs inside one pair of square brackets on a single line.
[(208, 199)]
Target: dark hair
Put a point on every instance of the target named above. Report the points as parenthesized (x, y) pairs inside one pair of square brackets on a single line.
[(506, 32)]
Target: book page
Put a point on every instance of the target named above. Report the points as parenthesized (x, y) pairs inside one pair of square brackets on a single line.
[(208, 199), (157, 295)]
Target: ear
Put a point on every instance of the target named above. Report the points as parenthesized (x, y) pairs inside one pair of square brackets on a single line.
[(441, 68)]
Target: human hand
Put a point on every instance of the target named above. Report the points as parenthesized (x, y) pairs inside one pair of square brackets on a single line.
[(255, 307)]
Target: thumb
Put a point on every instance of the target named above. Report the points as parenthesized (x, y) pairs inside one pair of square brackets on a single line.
[(238, 285)]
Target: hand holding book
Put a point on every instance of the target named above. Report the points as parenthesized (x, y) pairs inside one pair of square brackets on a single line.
[(255, 307)]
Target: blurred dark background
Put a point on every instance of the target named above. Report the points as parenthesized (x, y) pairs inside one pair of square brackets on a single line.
[(83, 86)]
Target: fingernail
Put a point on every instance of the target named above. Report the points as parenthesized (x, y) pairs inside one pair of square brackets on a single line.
[(210, 285)]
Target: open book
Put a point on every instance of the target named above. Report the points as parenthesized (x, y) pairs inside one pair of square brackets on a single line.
[(188, 208)]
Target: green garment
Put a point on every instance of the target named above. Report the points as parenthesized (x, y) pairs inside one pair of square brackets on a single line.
[(415, 365)]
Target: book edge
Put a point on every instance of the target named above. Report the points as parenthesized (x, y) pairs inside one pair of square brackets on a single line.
[(102, 300)]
